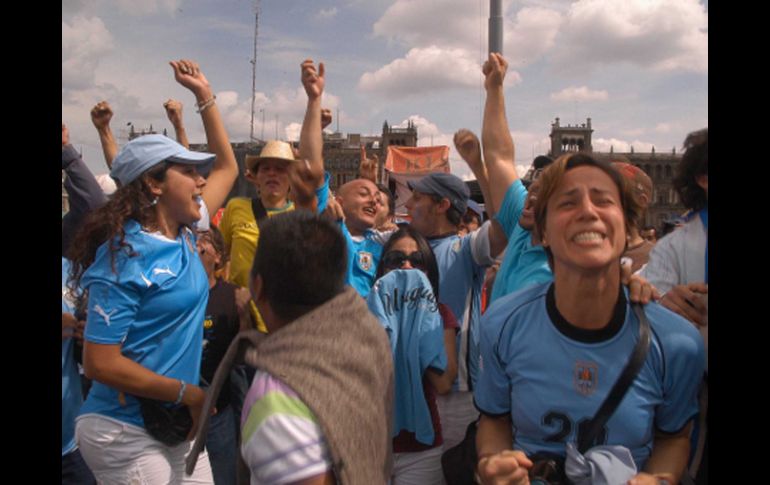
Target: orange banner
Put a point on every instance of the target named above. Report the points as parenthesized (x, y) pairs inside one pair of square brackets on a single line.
[(417, 160)]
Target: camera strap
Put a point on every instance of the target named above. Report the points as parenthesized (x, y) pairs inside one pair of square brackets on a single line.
[(611, 402)]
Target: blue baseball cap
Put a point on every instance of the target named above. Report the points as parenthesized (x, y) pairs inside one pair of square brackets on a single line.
[(475, 207), (144, 152), (444, 185)]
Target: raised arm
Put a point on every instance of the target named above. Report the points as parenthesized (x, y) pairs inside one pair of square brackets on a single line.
[(101, 114), (225, 170), (495, 135), (311, 138), (469, 148), (174, 113), (84, 192), (367, 168)]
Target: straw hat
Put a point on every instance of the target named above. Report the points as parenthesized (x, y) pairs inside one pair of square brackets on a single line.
[(273, 150)]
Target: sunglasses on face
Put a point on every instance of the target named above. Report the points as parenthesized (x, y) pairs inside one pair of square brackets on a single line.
[(396, 259)]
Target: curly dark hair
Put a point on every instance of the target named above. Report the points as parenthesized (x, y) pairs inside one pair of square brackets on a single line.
[(695, 162), (132, 201)]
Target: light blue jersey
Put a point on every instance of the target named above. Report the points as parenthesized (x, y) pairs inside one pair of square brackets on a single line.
[(364, 254), (152, 305), (460, 280), (551, 377), (71, 392), (523, 264), (403, 302)]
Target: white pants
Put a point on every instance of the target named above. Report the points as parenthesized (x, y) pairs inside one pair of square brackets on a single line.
[(457, 411), (121, 453), (418, 468)]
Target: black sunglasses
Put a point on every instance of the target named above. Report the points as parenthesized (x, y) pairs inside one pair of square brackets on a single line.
[(395, 259)]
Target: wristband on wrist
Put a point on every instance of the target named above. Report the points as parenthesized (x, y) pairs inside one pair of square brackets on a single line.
[(181, 392), (206, 104)]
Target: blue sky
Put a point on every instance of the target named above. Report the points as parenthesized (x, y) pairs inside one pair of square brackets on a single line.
[(637, 68)]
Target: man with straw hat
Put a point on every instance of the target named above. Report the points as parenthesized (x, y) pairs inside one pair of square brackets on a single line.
[(269, 172)]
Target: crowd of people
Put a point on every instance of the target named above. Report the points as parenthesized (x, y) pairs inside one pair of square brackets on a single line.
[(310, 337)]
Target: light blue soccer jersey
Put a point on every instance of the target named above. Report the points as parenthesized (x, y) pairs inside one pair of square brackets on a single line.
[(551, 377), (460, 282), (523, 264), (71, 393), (153, 306), (405, 306), (363, 256)]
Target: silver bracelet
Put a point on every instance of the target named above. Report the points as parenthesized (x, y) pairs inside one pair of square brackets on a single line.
[(206, 104), (181, 392)]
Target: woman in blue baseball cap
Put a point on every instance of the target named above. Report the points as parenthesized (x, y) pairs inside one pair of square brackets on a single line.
[(147, 291)]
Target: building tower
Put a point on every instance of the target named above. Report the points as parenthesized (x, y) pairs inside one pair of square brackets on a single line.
[(570, 138)]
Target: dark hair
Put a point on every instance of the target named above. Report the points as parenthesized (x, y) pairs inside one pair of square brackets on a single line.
[(431, 266), (302, 259), (469, 216), (214, 236), (553, 175), (695, 162), (133, 201), (454, 216), (391, 199)]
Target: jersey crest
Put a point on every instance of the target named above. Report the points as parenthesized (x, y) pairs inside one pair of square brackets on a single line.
[(365, 260), (585, 377)]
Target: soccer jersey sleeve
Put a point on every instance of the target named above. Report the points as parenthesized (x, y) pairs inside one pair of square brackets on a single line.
[(322, 194), (111, 310), (479, 244), (513, 203), (685, 363), (492, 393)]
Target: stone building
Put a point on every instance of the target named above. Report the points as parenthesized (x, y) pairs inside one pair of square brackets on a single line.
[(342, 154), (661, 167)]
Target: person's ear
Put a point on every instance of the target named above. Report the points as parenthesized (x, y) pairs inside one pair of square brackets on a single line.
[(256, 288), (444, 205), (155, 187), (703, 181), (250, 176)]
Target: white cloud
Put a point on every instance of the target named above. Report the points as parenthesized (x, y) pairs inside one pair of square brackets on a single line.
[(327, 13), (579, 94), (660, 34), (85, 42), (427, 70), (530, 35), (292, 131), (459, 24), (453, 23), (149, 7)]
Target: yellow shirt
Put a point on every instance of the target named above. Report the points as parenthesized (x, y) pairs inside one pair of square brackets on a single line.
[(241, 234)]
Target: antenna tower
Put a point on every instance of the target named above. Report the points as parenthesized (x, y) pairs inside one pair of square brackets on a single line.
[(254, 67)]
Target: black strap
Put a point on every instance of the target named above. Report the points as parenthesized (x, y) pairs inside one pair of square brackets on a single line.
[(611, 402), (258, 209)]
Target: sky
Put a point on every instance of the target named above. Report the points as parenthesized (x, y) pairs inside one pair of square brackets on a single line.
[(637, 68)]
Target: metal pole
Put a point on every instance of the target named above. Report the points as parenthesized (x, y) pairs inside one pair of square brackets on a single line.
[(254, 68), (495, 26)]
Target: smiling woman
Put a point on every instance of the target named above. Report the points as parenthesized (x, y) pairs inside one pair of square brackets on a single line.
[(566, 342), (137, 260)]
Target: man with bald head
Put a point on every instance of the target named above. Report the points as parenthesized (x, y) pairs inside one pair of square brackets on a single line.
[(360, 200)]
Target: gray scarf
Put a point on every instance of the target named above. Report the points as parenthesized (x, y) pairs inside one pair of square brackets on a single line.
[(337, 358)]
